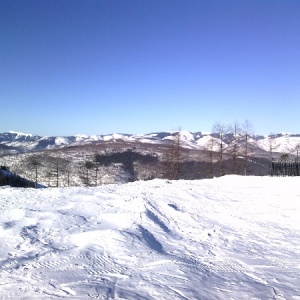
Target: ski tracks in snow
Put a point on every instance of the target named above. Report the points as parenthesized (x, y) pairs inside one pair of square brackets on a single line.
[(207, 239)]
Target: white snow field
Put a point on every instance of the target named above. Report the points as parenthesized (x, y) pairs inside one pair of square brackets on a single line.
[(226, 238)]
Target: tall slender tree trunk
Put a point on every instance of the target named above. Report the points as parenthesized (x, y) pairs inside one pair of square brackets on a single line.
[(57, 176), (246, 155)]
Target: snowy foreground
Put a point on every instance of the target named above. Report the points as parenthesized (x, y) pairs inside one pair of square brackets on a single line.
[(227, 238)]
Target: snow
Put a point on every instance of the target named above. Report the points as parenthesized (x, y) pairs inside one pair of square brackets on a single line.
[(210, 143), (95, 138), (151, 135), (282, 144), (114, 136), (148, 141), (81, 137), (169, 138), (186, 135), (286, 143), (20, 133), (61, 141), (225, 238)]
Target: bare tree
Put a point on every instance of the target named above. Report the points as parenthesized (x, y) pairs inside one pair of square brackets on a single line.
[(96, 174), (98, 170), (297, 150), (236, 130), (272, 145), (57, 167), (174, 157), (34, 163), (178, 155), (220, 130), (211, 144), (88, 165), (247, 129), (284, 157), (68, 171)]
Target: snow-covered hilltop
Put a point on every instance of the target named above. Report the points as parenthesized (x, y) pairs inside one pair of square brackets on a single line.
[(233, 237)]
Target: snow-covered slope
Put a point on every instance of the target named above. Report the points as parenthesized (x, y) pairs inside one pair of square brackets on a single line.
[(227, 238), (283, 143)]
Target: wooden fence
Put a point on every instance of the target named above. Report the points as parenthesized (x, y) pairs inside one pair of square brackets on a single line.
[(285, 168)]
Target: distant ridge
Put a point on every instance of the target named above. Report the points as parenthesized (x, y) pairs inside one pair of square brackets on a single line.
[(16, 142)]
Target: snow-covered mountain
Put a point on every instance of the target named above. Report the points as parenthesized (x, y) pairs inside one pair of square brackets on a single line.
[(12, 142)]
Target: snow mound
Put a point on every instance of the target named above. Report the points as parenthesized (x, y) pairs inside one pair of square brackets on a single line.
[(186, 135), (226, 238), (59, 141), (209, 142), (114, 136)]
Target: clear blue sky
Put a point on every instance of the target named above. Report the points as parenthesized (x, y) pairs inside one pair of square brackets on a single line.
[(140, 66)]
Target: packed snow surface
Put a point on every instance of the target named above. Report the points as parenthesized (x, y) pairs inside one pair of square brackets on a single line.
[(226, 238)]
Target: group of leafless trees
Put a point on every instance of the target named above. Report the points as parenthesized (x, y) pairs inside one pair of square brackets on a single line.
[(228, 151), (52, 169), (56, 169), (238, 143)]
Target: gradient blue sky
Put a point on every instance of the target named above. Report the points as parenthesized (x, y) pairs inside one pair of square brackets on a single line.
[(140, 66)]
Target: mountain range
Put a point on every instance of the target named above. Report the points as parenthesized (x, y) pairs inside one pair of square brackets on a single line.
[(14, 142), (115, 158)]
